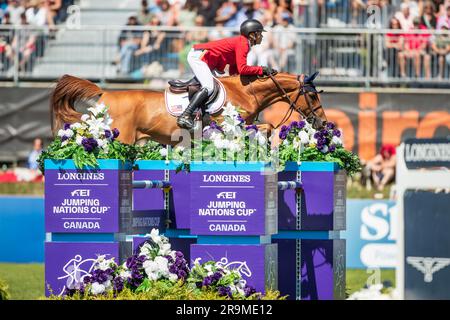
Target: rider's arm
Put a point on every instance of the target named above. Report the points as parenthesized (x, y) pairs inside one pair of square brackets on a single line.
[(243, 68)]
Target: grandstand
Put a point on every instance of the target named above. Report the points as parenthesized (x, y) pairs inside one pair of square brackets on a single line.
[(348, 41)]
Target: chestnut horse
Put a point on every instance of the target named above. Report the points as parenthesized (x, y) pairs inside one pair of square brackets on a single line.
[(141, 114)]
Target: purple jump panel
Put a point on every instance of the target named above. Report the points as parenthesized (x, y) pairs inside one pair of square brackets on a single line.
[(87, 201), (152, 201), (321, 201), (68, 263), (225, 201), (256, 263), (311, 269)]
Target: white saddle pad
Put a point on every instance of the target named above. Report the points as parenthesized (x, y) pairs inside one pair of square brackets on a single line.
[(176, 103)]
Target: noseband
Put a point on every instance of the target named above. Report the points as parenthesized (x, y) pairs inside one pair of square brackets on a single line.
[(292, 104)]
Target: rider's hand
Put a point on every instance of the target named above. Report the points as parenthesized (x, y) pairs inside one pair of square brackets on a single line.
[(268, 71)]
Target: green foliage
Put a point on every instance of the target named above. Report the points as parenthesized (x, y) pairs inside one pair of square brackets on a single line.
[(82, 158), (4, 294), (150, 151), (165, 290), (347, 160)]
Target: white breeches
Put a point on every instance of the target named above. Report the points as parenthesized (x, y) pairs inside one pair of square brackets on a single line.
[(201, 70)]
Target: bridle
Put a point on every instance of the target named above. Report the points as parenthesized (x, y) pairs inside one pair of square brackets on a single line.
[(312, 116)]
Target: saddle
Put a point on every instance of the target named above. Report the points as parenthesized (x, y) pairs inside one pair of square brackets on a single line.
[(191, 87)]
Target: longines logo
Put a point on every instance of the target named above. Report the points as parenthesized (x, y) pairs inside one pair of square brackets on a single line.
[(428, 266)]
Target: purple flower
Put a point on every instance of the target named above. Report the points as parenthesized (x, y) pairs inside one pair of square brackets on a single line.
[(294, 124), (207, 281), (283, 135), (241, 120), (337, 133), (224, 291), (324, 132), (108, 134), (115, 132), (64, 138), (66, 126), (301, 124), (182, 274), (118, 284), (330, 125), (251, 127), (89, 144), (249, 290), (332, 148), (317, 135), (213, 125), (216, 276), (283, 128)]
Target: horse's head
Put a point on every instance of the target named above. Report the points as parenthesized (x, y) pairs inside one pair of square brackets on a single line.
[(301, 94), (310, 106)]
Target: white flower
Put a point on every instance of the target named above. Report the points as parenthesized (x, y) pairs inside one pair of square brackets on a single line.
[(61, 133), (286, 142), (98, 109), (324, 149), (75, 126), (173, 277), (101, 143), (154, 234), (64, 143), (164, 249), (163, 264), (97, 288), (85, 117), (150, 267), (230, 111), (163, 152), (304, 137), (337, 141), (261, 138), (125, 274)]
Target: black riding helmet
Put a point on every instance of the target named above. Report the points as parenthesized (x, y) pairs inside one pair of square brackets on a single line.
[(251, 25)]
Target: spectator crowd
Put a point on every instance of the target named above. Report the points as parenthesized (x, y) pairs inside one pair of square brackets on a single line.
[(29, 44), (404, 54)]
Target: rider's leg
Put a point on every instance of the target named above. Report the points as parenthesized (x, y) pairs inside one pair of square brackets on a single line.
[(205, 77)]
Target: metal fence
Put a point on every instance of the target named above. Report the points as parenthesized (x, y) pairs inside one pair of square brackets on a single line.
[(358, 56)]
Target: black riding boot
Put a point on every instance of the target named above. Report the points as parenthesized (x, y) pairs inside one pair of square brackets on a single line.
[(186, 119)]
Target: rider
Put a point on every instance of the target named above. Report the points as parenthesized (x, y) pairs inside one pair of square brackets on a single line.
[(215, 55)]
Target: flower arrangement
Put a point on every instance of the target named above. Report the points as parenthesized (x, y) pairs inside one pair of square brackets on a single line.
[(231, 140), (88, 140), (376, 292), (152, 151), (226, 282), (154, 266), (301, 142)]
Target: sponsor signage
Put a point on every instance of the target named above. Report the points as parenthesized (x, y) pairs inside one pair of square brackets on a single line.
[(85, 201), (233, 203), (427, 153)]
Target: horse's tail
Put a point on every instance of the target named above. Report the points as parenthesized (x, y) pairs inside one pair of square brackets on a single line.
[(68, 91)]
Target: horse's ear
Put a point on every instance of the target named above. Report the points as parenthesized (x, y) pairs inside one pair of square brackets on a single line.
[(311, 78)]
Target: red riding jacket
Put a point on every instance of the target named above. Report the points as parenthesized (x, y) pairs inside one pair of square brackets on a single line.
[(232, 51)]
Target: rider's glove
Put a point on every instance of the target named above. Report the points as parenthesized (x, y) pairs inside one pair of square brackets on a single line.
[(268, 71)]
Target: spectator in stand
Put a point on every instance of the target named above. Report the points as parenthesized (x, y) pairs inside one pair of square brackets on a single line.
[(5, 43), (382, 167), (35, 153), (405, 17), (440, 46), (394, 43), (152, 41), (187, 15), (428, 19), (167, 14), (53, 7), (38, 14), (416, 46), (144, 16), (15, 9), (208, 10), (227, 14), (129, 42), (250, 10), (26, 44), (283, 43), (444, 20), (155, 7)]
